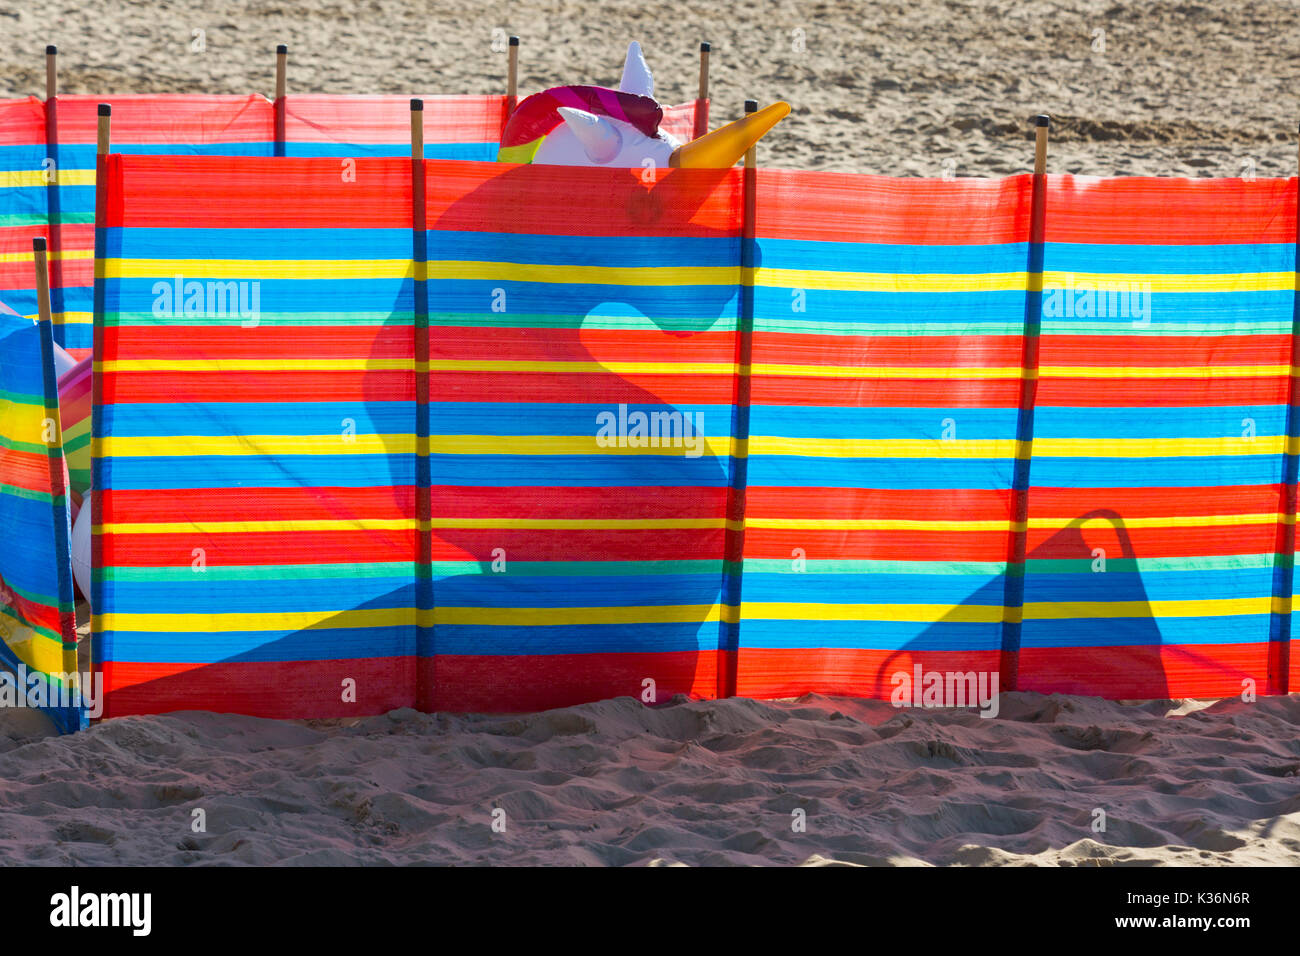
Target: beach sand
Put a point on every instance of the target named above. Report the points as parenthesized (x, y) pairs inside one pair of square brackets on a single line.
[(702, 783), (901, 88)]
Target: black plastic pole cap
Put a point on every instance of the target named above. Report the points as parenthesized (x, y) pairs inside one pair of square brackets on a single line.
[(105, 110), (705, 47), (281, 48), (514, 41), (751, 106), (51, 50), (1042, 119), (417, 105), (38, 243)]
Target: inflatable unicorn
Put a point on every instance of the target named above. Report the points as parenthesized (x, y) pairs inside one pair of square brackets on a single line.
[(597, 126)]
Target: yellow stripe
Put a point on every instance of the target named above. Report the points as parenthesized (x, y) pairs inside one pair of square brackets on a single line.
[(66, 255), (1156, 447), (883, 447), (695, 613), (36, 177), (1162, 371), (917, 613), (440, 365), (388, 617), (1101, 283), (814, 279), (1208, 607), (709, 445), (692, 368), (233, 445), (217, 269)]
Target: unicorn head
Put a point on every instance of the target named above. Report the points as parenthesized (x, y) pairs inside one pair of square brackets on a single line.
[(598, 126)]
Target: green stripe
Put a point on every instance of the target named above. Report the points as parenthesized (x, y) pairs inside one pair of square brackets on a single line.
[(399, 568), (786, 566), (1226, 562), (34, 628), (129, 319), (45, 600), (22, 398), (31, 495)]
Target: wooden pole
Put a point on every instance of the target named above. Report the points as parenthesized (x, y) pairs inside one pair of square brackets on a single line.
[(42, 279), (102, 132), (512, 76), (1042, 123), (281, 85), (417, 130), (702, 100), (423, 554), (51, 72), (751, 106), (102, 139), (281, 69)]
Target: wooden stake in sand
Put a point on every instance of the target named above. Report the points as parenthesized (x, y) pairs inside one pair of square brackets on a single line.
[(751, 106), (281, 84), (51, 72), (101, 133), (42, 279), (1042, 122), (417, 130), (512, 76), (702, 100)]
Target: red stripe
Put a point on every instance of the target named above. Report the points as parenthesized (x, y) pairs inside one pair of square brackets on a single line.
[(831, 504), (281, 689), (537, 682), (229, 549), (312, 504), (257, 192), (864, 392), (1184, 670), (38, 615), (1162, 392), (846, 207), (1139, 209), (460, 544), (196, 343), (170, 119), (329, 118), (1101, 350), (22, 122), (877, 545), (322, 386), (851, 672), (578, 345), (954, 351), (608, 388), (536, 199), (1153, 502), (1185, 542), (216, 504)]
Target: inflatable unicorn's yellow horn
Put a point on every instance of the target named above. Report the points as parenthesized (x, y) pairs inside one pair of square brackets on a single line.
[(723, 147)]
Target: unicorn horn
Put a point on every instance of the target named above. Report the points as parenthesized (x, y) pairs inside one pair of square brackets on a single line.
[(599, 138), (636, 75), (724, 146)]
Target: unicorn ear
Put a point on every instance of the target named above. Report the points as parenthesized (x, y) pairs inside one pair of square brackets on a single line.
[(600, 138), (636, 75)]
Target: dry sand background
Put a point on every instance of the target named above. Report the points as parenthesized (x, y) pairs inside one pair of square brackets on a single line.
[(898, 88), (708, 782), (1190, 89)]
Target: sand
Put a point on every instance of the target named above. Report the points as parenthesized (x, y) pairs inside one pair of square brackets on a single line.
[(902, 88), (700, 783), (912, 88)]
